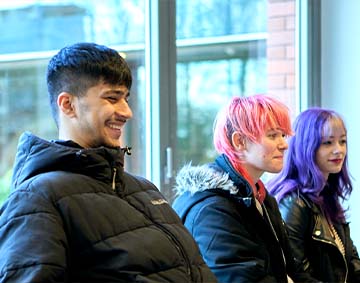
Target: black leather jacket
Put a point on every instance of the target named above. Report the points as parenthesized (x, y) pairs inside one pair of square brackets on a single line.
[(313, 244)]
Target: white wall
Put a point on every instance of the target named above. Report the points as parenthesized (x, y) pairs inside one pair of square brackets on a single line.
[(340, 47)]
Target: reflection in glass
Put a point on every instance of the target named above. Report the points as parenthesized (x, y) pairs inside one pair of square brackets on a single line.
[(210, 18), (221, 49), (31, 32), (50, 25)]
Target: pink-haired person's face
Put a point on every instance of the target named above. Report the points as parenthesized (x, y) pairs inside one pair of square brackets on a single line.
[(267, 155)]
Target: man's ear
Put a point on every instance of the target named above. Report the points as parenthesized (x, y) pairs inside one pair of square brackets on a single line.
[(65, 103), (238, 141)]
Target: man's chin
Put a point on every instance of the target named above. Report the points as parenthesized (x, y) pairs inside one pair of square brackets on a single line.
[(113, 144), (110, 143)]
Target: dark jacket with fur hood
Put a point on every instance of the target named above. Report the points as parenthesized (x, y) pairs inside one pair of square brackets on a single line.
[(238, 243), (74, 215)]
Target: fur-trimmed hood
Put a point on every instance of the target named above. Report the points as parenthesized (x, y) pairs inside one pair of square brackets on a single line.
[(197, 183), (195, 179)]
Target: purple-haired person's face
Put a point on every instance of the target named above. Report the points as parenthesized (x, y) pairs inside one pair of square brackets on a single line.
[(332, 150)]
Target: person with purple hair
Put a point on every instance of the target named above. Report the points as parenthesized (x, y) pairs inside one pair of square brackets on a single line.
[(310, 188), (224, 204)]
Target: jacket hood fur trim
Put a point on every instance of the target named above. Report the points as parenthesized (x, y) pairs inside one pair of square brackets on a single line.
[(195, 179)]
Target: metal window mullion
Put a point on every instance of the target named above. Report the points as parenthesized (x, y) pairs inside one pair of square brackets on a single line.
[(160, 57)]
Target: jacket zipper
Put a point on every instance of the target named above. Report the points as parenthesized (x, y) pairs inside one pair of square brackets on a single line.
[(276, 237), (330, 243), (113, 186), (337, 248), (177, 245), (179, 248), (168, 233)]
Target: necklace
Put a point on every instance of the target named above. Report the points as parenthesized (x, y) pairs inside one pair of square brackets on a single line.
[(337, 239)]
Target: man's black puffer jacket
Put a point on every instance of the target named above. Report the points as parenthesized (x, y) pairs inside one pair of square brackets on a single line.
[(74, 215)]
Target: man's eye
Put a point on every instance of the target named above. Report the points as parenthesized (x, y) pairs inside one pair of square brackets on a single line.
[(112, 99)]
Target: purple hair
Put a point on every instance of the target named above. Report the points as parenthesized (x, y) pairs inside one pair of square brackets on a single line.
[(300, 171)]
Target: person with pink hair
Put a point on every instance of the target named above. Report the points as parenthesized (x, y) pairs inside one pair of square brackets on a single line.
[(224, 204)]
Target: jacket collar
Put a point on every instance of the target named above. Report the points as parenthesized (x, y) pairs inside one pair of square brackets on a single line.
[(36, 156), (321, 230), (218, 176), (194, 179), (239, 180)]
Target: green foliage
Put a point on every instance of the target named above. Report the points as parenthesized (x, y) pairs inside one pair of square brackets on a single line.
[(5, 186)]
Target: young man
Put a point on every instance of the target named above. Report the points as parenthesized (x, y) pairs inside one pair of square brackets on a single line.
[(74, 215)]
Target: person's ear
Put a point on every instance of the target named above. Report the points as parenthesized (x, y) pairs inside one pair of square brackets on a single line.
[(65, 103), (238, 141)]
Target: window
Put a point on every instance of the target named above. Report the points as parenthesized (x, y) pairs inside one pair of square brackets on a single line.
[(49, 26), (221, 53), (224, 49), (202, 53)]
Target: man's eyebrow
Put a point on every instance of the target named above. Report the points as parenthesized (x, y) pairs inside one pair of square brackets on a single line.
[(117, 92)]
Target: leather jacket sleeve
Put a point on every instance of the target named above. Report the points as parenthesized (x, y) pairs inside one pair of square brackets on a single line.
[(354, 267), (297, 217)]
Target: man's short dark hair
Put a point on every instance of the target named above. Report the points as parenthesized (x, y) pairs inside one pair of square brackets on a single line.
[(78, 67)]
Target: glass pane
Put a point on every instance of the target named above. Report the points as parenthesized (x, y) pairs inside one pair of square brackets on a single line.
[(49, 26), (221, 47), (202, 88), (209, 18)]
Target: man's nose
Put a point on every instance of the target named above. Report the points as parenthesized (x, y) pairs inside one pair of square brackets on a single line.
[(123, 109)]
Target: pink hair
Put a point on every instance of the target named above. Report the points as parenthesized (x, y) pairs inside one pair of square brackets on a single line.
[(249, 116)]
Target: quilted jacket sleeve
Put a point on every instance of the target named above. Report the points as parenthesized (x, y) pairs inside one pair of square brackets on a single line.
[(32, 240)]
